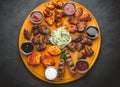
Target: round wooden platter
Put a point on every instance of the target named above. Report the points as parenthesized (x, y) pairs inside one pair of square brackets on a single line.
[(38, 70)]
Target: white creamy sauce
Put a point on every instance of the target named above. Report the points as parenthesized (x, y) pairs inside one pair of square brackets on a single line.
[(50, 73)]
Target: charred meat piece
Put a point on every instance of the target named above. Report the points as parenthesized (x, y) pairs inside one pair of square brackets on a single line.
[(77, 38), (86, 41), (79, 46), (89, 52), (59, 13), (43, 29), (27, 34), (82, 55), (81, 26), (70, 63), (85, 17), (73, 20), (41, 46), (58, 22), (59, 4), (45, 39), (36, 39), (72, 46), (61, 69), (47, 12), (72, 28), (35, 29), (79, 12)]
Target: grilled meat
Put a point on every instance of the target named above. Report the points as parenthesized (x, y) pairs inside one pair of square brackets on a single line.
[(72, 46), (79, 46), (81, 26), (77, 38), (45, 39), (35, 29), (86, 41), (41, 46), (27, 34), (36, 39), (43, 29)]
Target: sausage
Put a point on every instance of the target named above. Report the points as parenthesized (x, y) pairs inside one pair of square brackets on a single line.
[(70, 63), (61, 69)]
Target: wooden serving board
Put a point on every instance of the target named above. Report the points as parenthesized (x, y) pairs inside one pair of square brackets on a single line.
[(38, 70)]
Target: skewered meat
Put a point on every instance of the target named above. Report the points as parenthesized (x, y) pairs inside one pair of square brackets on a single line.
[(79, 12), (27, 34), (35, 29), (89, 52), (77, 38), (61, 69), (43, 29), (70, 63), (36, 39), (59, 4), (81, 26), (50, 5), (59, 22), (79, 46), (72, 28), (59, 13), (47, 12), (73, 20), (72, 46), (45, 39), (85, 17), (41, 46), (86, 41)]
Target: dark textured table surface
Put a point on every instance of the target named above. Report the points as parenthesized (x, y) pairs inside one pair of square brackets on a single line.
[(105, 72)]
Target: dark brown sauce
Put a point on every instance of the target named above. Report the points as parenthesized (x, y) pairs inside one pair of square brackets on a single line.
[(27, 47), (92, 31)]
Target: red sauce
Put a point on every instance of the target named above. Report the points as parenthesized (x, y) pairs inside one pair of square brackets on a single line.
[(36, 16), (82, 65), (69, 9)]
